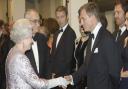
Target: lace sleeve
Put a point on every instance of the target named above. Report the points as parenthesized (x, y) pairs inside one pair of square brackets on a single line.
[(27, 73)]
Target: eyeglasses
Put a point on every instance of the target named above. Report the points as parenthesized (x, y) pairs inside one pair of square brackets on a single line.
[(35, 21), (2, 27)]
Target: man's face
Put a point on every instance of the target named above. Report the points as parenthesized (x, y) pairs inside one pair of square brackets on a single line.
[(34, 19), (85, 21), (126, 20), (119, 15), (61, 18)]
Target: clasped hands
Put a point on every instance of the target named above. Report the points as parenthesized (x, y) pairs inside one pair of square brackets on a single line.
[(66, 80), (124, 74)]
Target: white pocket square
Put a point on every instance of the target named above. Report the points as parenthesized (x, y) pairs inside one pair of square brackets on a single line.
[(96, 50)]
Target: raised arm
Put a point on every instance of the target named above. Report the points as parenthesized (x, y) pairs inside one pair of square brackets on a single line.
[(28, 74)]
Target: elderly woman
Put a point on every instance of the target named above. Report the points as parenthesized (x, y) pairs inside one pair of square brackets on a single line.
[(19, 72)]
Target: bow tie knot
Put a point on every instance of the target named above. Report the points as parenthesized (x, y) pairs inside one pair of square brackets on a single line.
[(60, 31), (91, 35)]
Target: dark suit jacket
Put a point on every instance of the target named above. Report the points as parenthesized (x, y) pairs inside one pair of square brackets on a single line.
[(121, 38), (4, 47), (120, 43), (62, 61), (43, 52), (103, 70)]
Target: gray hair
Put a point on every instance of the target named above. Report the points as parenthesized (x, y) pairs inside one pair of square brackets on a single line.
[(91, 8), (28, 13), (21, 29)]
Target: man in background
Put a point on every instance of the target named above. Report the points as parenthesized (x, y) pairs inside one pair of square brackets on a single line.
[(102, 61), (39, 52), (62, 61)]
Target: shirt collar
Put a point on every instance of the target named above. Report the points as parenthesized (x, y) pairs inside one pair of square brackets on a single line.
[(96, 29), (123, 28), (64, 27)]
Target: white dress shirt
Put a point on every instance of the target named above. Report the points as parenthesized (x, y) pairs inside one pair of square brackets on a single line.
[(36, 55), (95, 32), (123, 28)]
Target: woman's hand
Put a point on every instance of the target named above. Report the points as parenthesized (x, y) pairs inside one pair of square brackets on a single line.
[(124, 74)]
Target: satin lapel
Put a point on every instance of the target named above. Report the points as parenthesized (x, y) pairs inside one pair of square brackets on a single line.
[(98, 38), (63, 36), (32, 59), (122, 37), (54, 43)]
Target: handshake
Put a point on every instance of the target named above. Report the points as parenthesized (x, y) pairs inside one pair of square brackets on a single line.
[(60, 81)]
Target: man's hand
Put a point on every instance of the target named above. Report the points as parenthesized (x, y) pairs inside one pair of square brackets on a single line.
[(124, 74), (69, 79)]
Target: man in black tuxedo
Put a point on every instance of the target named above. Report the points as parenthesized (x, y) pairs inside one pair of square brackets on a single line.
[(102, 61), (62, 61), (122, 32), (39, 52), (120, 35)]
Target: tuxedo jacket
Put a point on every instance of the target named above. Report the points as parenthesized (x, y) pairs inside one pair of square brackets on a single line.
[(4, 47), (43, 53), (121, 38), (61, 60), (103, 69), (123, 51)]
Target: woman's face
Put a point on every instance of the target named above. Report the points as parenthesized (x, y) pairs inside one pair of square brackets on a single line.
[(126, 19), (28, 43)]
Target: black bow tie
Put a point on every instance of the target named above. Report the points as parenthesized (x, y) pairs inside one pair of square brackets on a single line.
[(59, 31), (91, 35)]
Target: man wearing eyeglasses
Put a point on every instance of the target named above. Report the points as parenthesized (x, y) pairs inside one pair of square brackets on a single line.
[(39, 51)]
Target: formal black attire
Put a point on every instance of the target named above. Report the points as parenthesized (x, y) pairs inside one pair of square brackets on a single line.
[(62, 62), (102, 67), (79, 52), (79, 57), (43, 52), (124, 53), (4, 46)]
